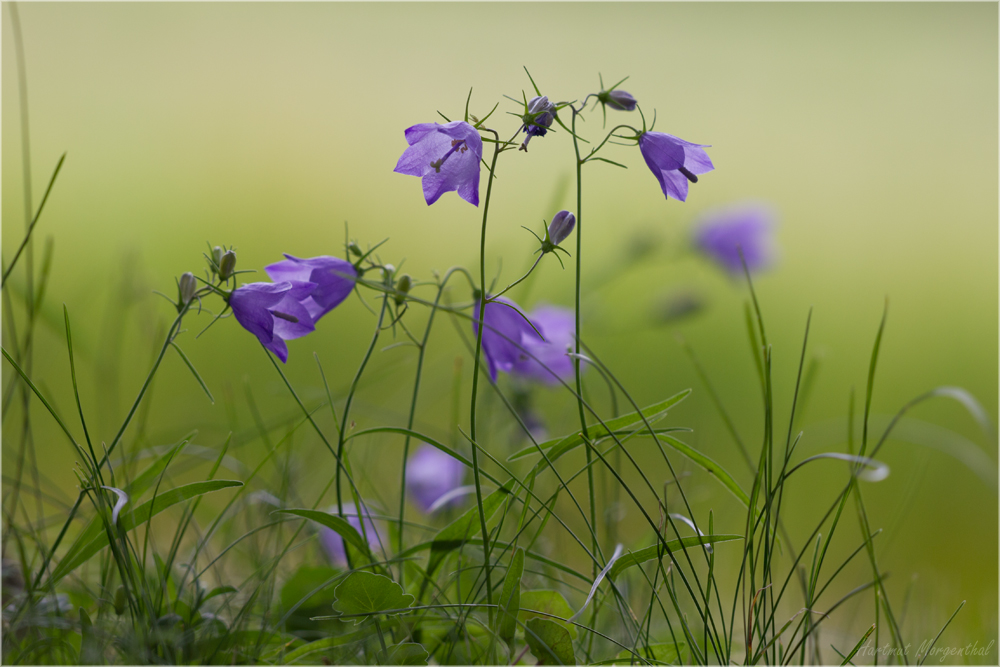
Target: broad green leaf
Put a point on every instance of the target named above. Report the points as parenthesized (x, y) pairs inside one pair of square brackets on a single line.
[(334, 523), (657, 654), (300, 588), (548, 602), (656, 550), (510, 597), (90, 645), (364, 593), (550, 642), (138, 516), (653, 414), (407, 653), (219, 590), (465, 527)]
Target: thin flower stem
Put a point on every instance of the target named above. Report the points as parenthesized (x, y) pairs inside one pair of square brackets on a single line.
[(475, 376), (576, 358), (513, 284)]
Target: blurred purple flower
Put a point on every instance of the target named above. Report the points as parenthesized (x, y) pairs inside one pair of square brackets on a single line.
[(722, 233), (430, 473), (446, 157), (333, 543), (274, 312), (334, 279), (674, 162), (557, 326), (504, 335)]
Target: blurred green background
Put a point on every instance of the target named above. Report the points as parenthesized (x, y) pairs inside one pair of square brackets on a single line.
[(871, 128)]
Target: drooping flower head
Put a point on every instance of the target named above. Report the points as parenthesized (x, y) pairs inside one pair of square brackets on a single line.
[(333, 543), (722, 233), (619, 100), (430, 473), (274, 312), (446, 157), (537, 118), (674, 162), (551, 363), (334, 279), (504, 335)]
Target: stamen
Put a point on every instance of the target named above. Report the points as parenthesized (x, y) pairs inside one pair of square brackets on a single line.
[(456, 145), (285, 316), (691, 177)]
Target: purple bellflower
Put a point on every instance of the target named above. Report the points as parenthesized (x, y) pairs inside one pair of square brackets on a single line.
[(504, 335), (538, 119), (446, 157), (561, 227), (334, 279), (722, 233), (274, 312), (430, 473), (618, 100), (333, 543), (674, 162), (551, 363)]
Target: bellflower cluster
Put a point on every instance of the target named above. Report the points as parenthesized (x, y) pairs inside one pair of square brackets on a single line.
[(721, 234), (446, 157), (430, 474), (304, 291), (674, 162)]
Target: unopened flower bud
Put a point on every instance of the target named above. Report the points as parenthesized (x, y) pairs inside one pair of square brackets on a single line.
[(186, 287), (540, 115), (403, 286), (120, 601), (618, 99), (353, 248), (217, 256), (227, 265), (561, 227)]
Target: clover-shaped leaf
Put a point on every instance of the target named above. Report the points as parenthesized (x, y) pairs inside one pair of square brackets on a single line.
[(364, 594)]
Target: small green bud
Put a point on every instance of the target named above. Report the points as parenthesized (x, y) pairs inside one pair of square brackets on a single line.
[(227, 265), (403, 286), (120, 601), (387, 272), (353, 248), (186, 287), (217, 257)]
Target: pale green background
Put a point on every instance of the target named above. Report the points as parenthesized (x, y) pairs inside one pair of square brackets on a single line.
[(871, 128)]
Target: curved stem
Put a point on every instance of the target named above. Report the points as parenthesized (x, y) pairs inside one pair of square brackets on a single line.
[(480, 325)]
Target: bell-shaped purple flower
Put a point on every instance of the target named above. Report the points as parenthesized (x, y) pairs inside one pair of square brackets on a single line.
[(722, 233), (446, 156), (333, 543), (674, 162), (619, 100), (334, 279), (548, 360), (561, 227), (504, 335), (274, 312), (430, 473)]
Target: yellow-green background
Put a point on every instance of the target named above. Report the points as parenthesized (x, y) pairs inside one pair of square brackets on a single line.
[(871, 128)]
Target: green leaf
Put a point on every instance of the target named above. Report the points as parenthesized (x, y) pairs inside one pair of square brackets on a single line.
[(550, 642), (334, 523), (140, 515), (363, 593), (711, 466), (657, 654), (220, 590), (547, 602), (407, 653), (90, 645), (656, 550), (510, 597), (465, 527), (558, 447)]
